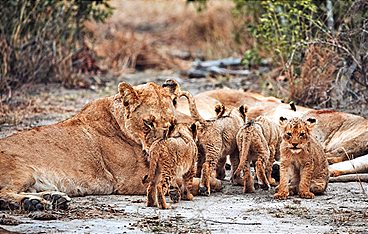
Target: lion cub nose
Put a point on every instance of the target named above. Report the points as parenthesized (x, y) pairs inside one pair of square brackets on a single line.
[(294, 144)]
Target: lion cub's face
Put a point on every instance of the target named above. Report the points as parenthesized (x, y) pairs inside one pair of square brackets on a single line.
[(149, 111), (296, 133)]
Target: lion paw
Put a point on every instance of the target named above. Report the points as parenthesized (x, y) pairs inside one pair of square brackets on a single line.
[(8, 205), (204, 191), (307, 195), (32, 203), (174, 195), (281, 195), (58, 200)]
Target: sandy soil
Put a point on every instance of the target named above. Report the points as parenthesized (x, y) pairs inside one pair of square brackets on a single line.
[(342, 210)]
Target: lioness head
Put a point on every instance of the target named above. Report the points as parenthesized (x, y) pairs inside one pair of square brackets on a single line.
[(296, 132), (149, 111)]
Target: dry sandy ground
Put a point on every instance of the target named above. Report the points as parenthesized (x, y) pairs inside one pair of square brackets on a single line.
[(342, 210)]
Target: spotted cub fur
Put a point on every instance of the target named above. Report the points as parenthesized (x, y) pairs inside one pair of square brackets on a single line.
[(304, 166), (258, 142), (172, 158)]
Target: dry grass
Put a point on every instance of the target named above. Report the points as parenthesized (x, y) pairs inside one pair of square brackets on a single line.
[(147, 34)]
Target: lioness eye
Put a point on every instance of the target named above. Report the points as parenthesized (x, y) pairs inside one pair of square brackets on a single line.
[(148, 124)]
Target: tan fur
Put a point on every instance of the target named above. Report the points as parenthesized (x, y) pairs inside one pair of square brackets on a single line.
[(258, 141), (303, 161), (217, 139), (171, 158), (342, 135), (97, 151)]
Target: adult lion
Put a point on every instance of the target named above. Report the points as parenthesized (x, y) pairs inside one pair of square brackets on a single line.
[(97, 151)]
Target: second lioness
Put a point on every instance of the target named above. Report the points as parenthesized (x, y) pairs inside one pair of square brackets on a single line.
[(259, 142), (171, 158)]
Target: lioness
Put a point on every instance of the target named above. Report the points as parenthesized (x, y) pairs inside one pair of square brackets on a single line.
[(216, 140), (303, 161), (258, 141), (97, 151), (171, 158)]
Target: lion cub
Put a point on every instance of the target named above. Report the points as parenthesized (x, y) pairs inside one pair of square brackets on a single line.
[(216, 140), (303, 161), (169, 159), (258, 141)]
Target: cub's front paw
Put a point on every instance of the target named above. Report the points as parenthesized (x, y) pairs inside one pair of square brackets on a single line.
[(174, 195), (307, 195), (281, 195), (204, 191)]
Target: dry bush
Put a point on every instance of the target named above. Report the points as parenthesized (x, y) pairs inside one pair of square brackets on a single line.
[(314, 86)]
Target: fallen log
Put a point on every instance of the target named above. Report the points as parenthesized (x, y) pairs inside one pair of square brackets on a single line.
[(350, 178)]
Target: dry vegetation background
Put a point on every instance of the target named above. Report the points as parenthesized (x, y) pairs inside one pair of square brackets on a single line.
[(169, 35)]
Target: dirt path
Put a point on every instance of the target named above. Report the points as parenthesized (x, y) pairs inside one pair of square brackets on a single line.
[(342, 209)]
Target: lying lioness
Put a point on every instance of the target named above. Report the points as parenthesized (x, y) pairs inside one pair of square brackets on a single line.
[(97, 151)]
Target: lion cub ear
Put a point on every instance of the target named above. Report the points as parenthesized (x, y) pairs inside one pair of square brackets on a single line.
[(311, 122), (283, 121), (194, 129), (243, 109), (219, 109), (129, 96)]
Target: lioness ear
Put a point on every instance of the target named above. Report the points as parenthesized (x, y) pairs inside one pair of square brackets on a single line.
[(311, 122), (282, 121), (219, 109), (129, 96), (173, 87), (243, 109)]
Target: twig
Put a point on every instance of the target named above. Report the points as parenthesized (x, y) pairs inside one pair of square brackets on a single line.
[(224, 222), (360, 182)]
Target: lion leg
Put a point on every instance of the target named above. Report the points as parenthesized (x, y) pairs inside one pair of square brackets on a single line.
[(318, 187), (261, 174), (305, 182), (269, 166), (151, 195), (207, 170), (162, 189), (248, 180), (174, 193), (283, 187), (220, 169), (235, 162), (201, 159), (188, 184)]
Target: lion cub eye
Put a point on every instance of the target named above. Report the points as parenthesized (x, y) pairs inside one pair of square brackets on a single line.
[(302, 134), (288, 135)]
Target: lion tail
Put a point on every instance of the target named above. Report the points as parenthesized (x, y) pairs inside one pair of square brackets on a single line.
[(192, 106), (243, 140)]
